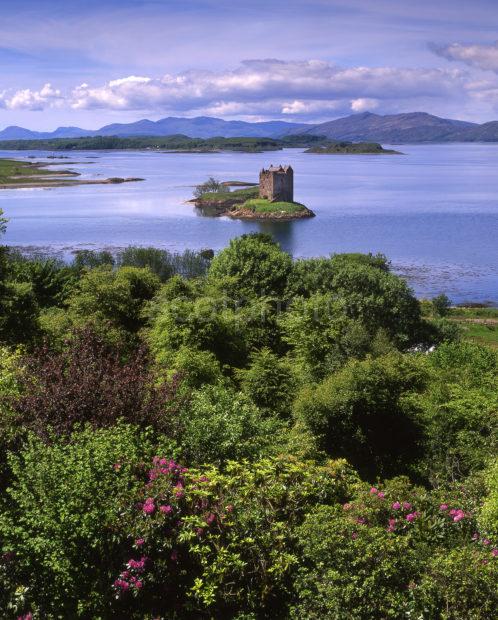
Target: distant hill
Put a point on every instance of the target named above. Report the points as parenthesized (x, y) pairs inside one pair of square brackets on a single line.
[(412, 127), (365, 127), (487, 132), (199, 127)]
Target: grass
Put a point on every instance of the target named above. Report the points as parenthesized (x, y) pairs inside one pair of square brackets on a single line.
[(10, 169), (480, 333), (260, 205), (478, 325), (238, 196), (474, 313)]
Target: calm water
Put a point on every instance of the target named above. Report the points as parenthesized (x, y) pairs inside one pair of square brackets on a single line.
[(433, 211)]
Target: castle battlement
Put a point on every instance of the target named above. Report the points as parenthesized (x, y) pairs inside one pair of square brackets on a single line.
[(277, 183)]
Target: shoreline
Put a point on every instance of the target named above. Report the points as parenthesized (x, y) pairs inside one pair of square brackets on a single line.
[(43, 178)]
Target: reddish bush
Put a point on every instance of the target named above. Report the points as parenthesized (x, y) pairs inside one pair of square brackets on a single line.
[(92, 382)]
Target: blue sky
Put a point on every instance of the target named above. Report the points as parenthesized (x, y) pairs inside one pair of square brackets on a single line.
[(91, 63)]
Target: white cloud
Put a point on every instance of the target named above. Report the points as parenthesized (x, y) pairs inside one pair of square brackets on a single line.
[(265, 88), (301, 86), (480, 56), (363, 104), (27, 99)]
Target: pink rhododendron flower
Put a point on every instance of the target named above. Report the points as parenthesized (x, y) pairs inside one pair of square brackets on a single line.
[(443, 507), (486, 542), (392, 521), (149, 506), (210, 518), (381, 495), (139, 542), (411, 517), (138, 584), (396, 506), (459, 515), (374, 491), (121, 584), (494, 553), (354, 535), (167, 509), (407, 505)]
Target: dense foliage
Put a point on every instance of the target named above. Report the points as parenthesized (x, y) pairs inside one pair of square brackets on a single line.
[(244, 436)]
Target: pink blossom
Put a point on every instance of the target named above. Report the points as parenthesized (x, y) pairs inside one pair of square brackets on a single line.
[(494, 553), (392, 522), (199, 531), (381, 495), (396, 506), (139, 542), (459, 515), (138, 565), (210, 518), (407, 505), (354, 535), (167, 509), (443, 507), (121, 584), (138, 584), (346, 506), (374, 491), (149, 507), (411, 517), (361, 520), (486, 542), (453, 512), (117, 466)]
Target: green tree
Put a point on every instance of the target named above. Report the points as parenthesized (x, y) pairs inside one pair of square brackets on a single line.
[(257, 266), (322, 337), (219, 424), (62, 518), (365, 413), (112, 301), (488, 518), (269, 382)]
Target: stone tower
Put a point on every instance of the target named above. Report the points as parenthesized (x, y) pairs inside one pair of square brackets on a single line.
[(277, 183)]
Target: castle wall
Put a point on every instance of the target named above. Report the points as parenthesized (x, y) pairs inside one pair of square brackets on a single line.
[(266, 185), (277, 184)]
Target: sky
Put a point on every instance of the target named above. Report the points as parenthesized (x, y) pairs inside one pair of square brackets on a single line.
[(89, 63)]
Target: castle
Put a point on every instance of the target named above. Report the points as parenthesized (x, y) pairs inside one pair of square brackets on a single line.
[(277, 183)]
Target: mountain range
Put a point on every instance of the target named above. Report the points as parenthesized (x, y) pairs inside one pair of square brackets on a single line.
[(390, 128)]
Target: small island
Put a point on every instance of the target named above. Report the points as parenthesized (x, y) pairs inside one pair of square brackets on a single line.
[(272, 199), (351, 148), (15, 174)]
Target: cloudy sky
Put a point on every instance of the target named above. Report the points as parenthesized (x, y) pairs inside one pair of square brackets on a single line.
[(92, 62)]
